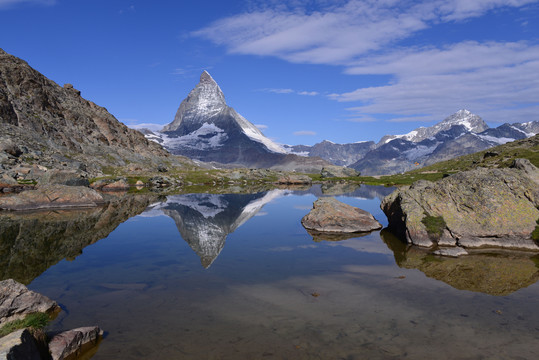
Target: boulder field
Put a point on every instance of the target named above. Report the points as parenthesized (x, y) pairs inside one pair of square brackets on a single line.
[(471, 209)]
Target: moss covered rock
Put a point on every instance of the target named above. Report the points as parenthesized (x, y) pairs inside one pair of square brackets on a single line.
[(482, 207)]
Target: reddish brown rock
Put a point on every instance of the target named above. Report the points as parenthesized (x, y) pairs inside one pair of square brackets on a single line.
[(74, 342)]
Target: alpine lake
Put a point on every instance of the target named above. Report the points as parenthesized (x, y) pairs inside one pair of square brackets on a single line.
[(236, 276)]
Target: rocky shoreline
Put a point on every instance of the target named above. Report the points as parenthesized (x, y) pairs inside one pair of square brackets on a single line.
[(16, 303)]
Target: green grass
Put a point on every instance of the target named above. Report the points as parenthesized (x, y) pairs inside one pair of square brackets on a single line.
[(35, 320), (434, 225)]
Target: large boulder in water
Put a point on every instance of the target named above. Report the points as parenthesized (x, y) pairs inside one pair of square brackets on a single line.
[(330, 215), (481, 207)]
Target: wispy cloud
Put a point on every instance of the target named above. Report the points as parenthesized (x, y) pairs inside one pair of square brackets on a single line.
[(496, 78), (305, 133), (337, 34), (290, 91), (261, 126), (4, 4)]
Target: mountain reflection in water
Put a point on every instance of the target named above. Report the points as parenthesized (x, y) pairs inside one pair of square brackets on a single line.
[(31, 242), (205, 220)]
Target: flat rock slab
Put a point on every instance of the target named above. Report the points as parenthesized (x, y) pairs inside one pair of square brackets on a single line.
[(16, 301), (19, 344), (74, 342), (330, 215), (294, 180), (52, 196)]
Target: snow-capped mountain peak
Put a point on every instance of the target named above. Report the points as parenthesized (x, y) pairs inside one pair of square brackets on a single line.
[(207, 129), (471, 122), (205, 100)]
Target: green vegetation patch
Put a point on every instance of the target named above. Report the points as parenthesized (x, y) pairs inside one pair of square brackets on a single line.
[(535, 233), (434, 225), (35, 320)]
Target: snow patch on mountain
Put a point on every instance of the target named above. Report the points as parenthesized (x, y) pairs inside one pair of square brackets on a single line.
[(420, 151), (495, 140), (206, 137), (254, 134)]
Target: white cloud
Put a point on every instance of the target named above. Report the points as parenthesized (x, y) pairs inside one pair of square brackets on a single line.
[(261, 126), (279, 91), (290, 91), (9, 3), (305, 133), (337, 34), (500, 80), (495, 78), (308, 93)]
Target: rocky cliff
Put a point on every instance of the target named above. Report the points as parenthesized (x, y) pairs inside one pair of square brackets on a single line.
[(44, 123)]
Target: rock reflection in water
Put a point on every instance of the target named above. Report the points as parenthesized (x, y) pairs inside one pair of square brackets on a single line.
[(205, 220), (349, 189), (495, 272), (31, 242)]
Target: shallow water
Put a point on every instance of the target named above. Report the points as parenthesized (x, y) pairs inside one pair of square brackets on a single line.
[(237, 277)]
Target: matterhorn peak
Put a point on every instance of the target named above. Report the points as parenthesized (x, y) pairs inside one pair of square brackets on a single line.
[(204, 101), (205, 77)]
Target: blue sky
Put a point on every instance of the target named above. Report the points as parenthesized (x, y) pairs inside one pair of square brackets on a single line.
[(303, 71)]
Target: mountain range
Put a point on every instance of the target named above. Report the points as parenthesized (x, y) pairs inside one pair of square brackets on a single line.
[(207, 129), (460, 134)]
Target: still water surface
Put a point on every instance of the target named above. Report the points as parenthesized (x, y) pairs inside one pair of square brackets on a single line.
[(237, 277)]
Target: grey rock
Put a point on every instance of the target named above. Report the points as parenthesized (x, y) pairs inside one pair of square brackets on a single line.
[(19, 345), (16, 301), (338, 171), (525, 165), (290, 179), (63, 177), (481, 207), (74, 342), (330, 215)]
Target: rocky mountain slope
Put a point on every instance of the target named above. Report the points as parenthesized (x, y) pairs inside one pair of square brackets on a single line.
[(338, 154), (207, 129), (44, 124)]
